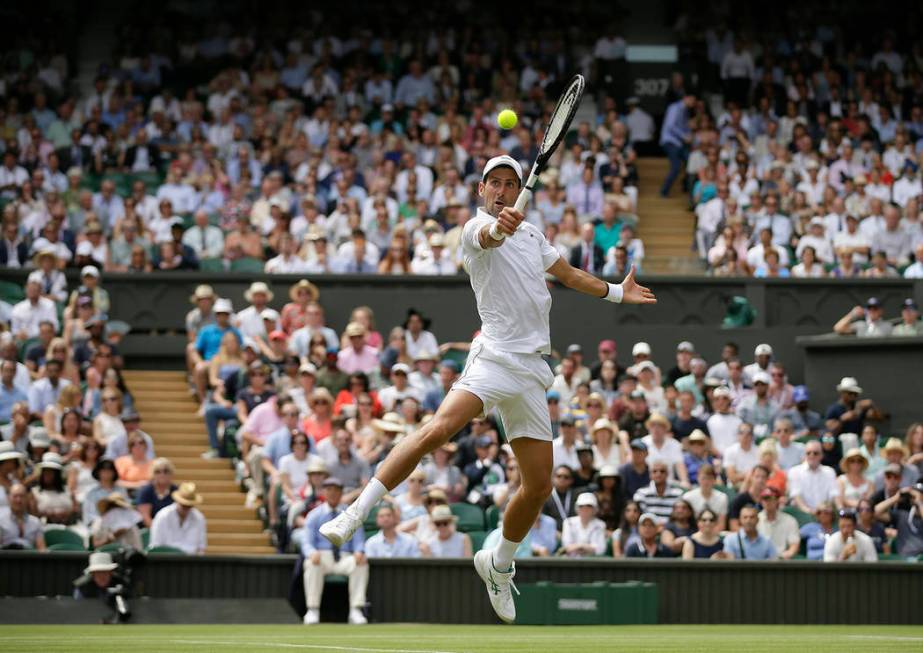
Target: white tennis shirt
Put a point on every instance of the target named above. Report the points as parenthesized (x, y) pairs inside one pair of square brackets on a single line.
[(509, 285)]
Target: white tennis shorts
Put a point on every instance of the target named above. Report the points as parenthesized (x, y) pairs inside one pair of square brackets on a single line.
[(514, 384)]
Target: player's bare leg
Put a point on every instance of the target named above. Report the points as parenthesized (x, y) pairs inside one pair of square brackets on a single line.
[(457, 409), (496, 567)]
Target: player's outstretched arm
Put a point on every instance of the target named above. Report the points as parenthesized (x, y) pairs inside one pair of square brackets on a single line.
[(631, 291)]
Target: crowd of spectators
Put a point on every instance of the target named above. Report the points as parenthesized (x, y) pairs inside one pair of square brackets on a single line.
[(305, 150), (76, 468), (647, 462), (803, 158)]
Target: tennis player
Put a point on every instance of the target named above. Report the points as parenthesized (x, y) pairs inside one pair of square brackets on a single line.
[(506, 259)]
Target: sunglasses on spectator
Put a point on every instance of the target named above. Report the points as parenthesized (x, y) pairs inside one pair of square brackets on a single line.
[(812, 453), (300, 443), (319, 401), (431, 501), (568, 476), (162, 471), (110, 398), (365, 403), (658, 471), (257, 373), (442, 523), (706, 520), (414, 480)]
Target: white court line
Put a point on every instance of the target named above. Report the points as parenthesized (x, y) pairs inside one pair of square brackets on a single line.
[(889, 638), (318, 647)]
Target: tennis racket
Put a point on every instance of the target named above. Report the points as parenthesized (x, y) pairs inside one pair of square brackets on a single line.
[(561, 118)]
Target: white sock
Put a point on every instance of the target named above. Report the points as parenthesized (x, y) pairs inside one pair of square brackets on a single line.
[(503, 554), (371, 495)]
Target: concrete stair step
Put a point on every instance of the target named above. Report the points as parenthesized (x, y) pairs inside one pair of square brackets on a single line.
[(234, 526), (197, 462), (153, 406), (238, 539), (228, 512), (171, 451), (199, 440), (171, 375), (173, 418), (209, 486), (239, 550), (194, 474), (235, 499)]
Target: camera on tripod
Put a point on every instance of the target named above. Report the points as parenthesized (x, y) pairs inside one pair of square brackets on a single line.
[(108, 577)]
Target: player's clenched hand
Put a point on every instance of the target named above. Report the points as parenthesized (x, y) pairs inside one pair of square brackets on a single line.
[(509, 220), (633, 293)]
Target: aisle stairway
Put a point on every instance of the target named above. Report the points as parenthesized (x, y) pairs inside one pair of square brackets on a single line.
[(666, 226), (168, 415)]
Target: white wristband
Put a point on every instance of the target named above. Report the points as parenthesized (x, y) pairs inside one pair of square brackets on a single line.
[(615, 293), (495, 232)]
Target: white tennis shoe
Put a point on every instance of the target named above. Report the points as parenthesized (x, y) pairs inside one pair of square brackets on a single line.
[(341, 528), (498, 585)]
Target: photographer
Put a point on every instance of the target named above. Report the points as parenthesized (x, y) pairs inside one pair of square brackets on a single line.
[(100, 581), (904, 512)]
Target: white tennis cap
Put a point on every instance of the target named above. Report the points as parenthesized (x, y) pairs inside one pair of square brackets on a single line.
[(503, 160)]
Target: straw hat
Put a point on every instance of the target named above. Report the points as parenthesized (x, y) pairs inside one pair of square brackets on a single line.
[(657, 418), (186, 495), (258, 287), (894, 444), (51, 460), (601, 424), (442, 513), (114, 499), (853, 454), (313, 292), (389, 423), (100, 561), (45, 252), (317, 466)]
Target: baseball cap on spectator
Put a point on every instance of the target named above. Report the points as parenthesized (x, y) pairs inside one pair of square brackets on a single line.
[(800, 393), (176, 221), (332, 481), (317, 466), (552, 395), (270, 314), (400, 368), (637, 394), (608, 471), (713, 382), (647, 517), (85, 249), (687, 346), (39, 439), (601, 424), (582, 447), (355, 330), (250, 343), (587, 499), (816, 221), (769, 491), (873, 302), (278, 335), (762, 350), (849, 384), (307, 368), (422, 355), (811, 164), (607, 345), (89, 270), (503, 160), (568, 420), (450, 364), (641, 349), (721, 391), (387, 108), (574, 349), (223, 305), (638, 445), (646, 365), (893, 469), (436, 240), (909, 304), (315, 233), (483, 442), (761, 377)]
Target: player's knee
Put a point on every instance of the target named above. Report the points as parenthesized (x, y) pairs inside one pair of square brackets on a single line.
[(537, 491), (436, 433)]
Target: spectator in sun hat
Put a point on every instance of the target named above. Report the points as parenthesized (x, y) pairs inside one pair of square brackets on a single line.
[(867, 322), (849, 410), (896, 453), (910, 324), (662, 446), (181, 524)]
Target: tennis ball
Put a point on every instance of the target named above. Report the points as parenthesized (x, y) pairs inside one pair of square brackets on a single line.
[(507, 119)]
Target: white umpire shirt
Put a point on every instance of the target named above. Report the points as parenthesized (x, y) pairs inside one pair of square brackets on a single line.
[(188, 535), (509, 285)]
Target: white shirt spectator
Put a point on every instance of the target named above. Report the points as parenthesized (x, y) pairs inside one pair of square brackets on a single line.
[(388, 397), (181, 196), (640, 125), (594, 534), (42, 394), (206, 243), (723, 430), (756, 255), (781, 531), (814, 486), (427, 264), (424, 343), (610, 48), (286, 265), (743, 461), (717, 502), (865, 548), (821, 244), (791, 455), (737, 65), (27, 316), (250, 323), (905, 188), (188, 535), (670, 452), (561, 455)]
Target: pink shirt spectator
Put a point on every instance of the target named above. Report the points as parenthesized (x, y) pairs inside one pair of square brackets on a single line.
[(365, 360), (263, 421)]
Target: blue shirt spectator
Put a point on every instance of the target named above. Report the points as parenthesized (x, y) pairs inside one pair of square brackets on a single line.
[(758, 548), (675, 125), (314, 541), (9, 393), (544, 533), (815, 538), (209, 340), (401, 546)]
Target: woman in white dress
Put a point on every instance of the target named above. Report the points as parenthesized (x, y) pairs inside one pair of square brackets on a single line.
[(609, 444), (852, 484)]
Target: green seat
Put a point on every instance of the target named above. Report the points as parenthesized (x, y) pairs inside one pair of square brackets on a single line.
[(801, 516), (151, 179), (248, 265), (66, 546), (477, 540), (64, 536), (370, 524), (11, 293), (164, 549), (211, 265), (336, 579), (459, 356), (492, 515), (729, 491), (25, 346), (891, 557), (470, 518), (145, 537), (112, 547)]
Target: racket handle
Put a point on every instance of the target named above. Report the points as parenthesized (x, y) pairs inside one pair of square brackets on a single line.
[(524, 196)]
